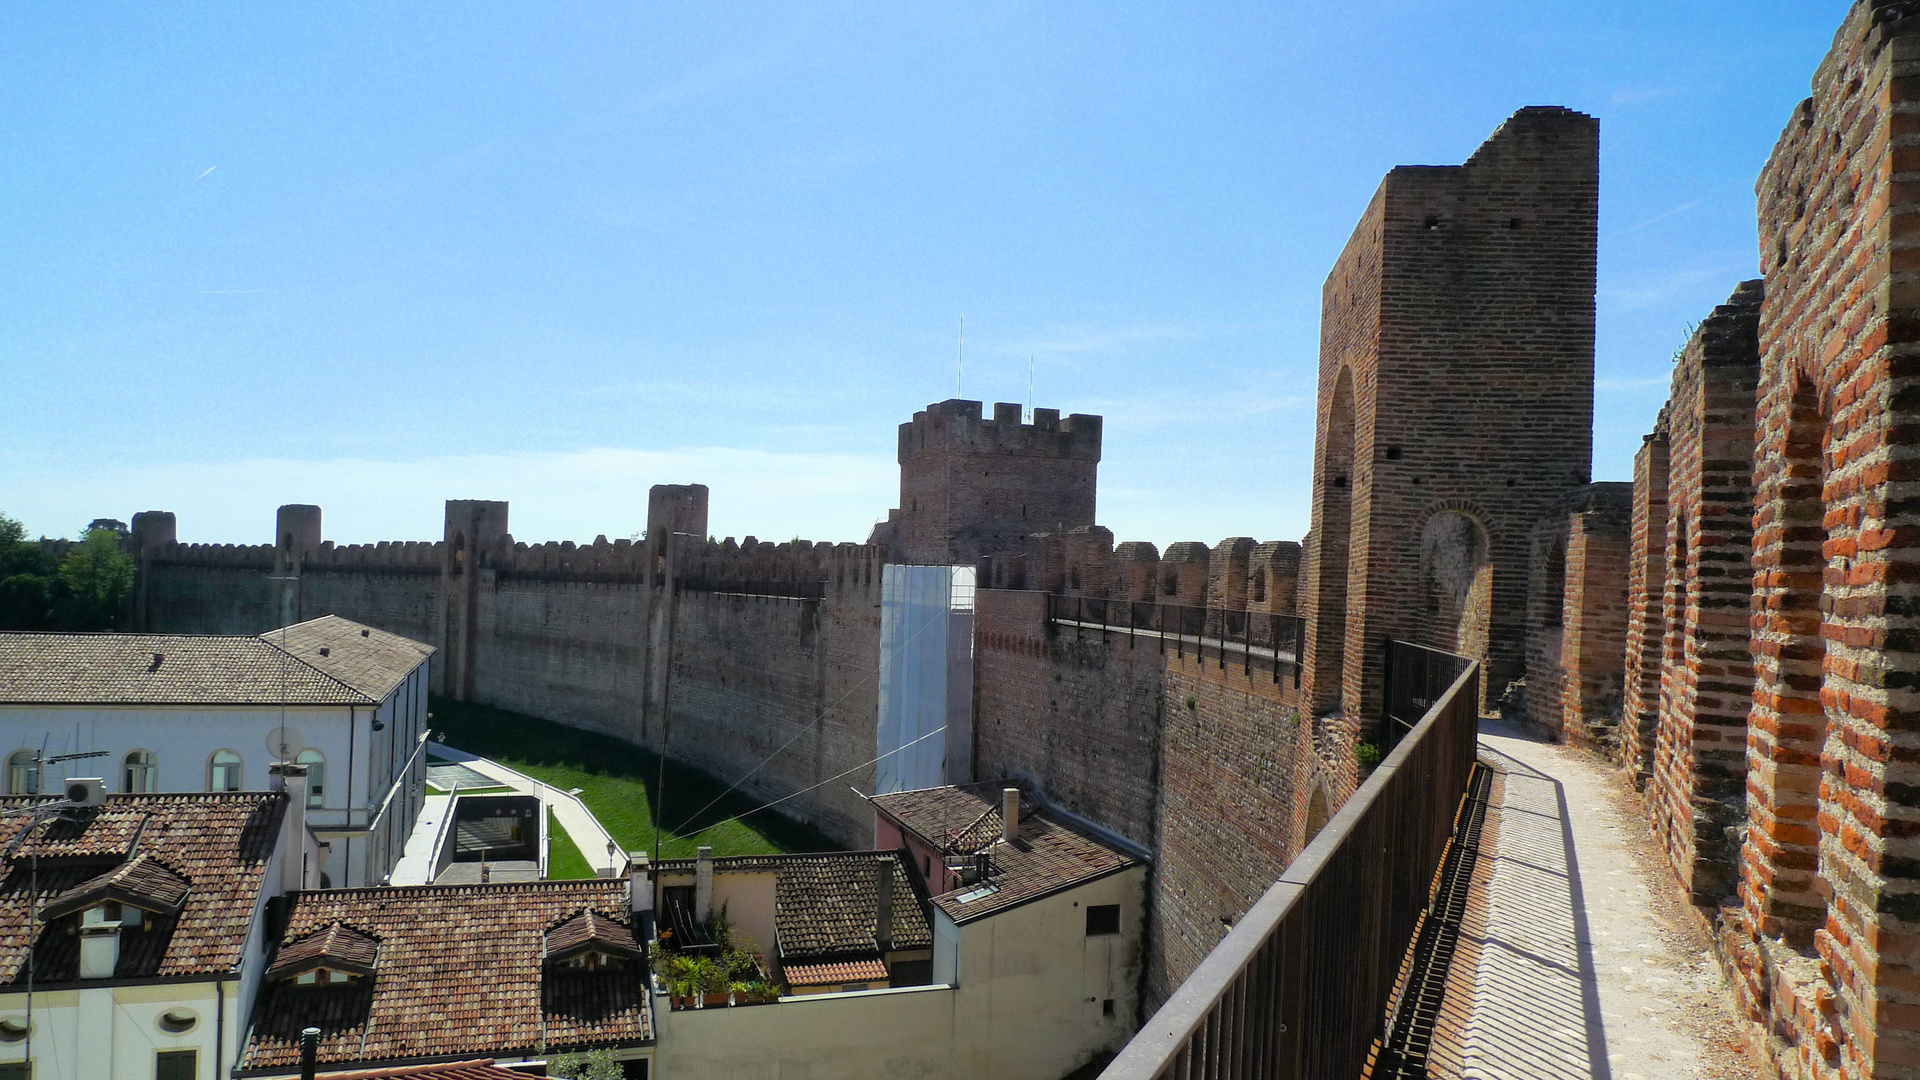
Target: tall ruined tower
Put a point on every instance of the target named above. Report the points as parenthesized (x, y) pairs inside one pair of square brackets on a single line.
[(971, 487), (1455, 404)]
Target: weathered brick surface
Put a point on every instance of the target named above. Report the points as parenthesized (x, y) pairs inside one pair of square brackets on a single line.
[(1594, 624), (1824, 949), (971, 486), (1576, 614), (1697, 800), (1200, 758), (1461, 307), (1646, 599)]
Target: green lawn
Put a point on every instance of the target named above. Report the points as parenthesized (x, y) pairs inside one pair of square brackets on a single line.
[(616, 780), (564, 861)]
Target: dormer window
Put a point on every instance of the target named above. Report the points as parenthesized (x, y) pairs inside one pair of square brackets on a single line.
[(109, 914), (594, 960), (326, 977), (334, 955), (590, 941)]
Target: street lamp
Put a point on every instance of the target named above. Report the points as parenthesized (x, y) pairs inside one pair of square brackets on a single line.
[(613, 870)]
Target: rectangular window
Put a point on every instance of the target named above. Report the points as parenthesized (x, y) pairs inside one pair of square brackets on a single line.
[(176, 1065), (16, 1070), (1103, 919), (634, 1070)]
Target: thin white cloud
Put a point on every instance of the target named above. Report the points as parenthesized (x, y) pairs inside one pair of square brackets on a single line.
[(206, 174)]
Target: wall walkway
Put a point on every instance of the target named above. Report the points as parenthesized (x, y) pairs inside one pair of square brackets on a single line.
[(1579, 956)]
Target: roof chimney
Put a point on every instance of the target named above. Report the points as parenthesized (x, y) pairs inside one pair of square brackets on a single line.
[(309, 1052), (883, 906), (703, 882), (1009, 814), (639, 883), (292, 779), (99, 944)]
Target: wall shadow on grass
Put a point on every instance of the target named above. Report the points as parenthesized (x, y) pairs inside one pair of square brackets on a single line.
[(617, 781)]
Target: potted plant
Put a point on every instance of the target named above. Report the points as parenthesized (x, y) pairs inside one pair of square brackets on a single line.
[(714, 980)]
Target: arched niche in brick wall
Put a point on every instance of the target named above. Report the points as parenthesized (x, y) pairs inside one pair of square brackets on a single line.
[(1336, 528), (1456, 576), (1799, 581)]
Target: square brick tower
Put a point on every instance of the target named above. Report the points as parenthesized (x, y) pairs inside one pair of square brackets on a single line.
[(1455, 404), (971, 487)]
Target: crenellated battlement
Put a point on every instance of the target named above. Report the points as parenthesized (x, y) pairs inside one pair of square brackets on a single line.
[(958, 425), (1239, 573), (971, 486)]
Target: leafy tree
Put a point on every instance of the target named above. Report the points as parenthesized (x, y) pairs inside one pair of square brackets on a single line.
[(595, 1065), (27, 583), (95, 578)]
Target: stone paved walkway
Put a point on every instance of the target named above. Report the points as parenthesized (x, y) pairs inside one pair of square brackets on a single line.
[(1578, 958)]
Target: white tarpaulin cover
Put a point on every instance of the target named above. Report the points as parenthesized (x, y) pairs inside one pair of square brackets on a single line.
[(926, 677)]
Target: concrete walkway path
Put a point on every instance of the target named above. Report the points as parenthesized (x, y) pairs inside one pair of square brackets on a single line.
[(1579, 958), (416, 862), (587, 832)]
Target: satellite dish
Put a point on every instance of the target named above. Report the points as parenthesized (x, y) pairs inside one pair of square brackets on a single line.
[(284, 742)]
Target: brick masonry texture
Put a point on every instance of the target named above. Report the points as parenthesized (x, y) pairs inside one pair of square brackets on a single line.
[(1646, 597), (1197, 757), (971, 486), (1462, 306), (1698, 800)]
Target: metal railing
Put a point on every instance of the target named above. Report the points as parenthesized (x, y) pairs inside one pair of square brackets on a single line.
[(1253, 635), (1416, 676), (1300, 986)]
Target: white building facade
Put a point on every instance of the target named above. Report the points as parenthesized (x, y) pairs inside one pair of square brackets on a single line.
[(178, 713)]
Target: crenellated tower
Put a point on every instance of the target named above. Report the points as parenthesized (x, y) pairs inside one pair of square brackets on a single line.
[(971, 486)]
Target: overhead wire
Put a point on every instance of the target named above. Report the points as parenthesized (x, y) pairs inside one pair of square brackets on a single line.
[(808, 726), (828, 780)]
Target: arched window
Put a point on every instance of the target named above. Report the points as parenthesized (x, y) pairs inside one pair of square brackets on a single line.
[(223, 771), (23, 773), (316, 764), (140, 773)]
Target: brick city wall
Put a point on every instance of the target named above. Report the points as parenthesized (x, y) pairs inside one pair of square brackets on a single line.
[(1697, 799), (1594, 619), (1825, 949), (1646, 593), (1456, 382), (770, 637), (1197, 754), (1576, 616)]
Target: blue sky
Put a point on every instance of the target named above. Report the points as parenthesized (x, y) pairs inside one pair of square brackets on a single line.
[(376, 256)]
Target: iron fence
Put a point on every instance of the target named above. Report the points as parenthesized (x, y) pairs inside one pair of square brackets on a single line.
[(1263, 635), (1416, 676), (1300, 986)]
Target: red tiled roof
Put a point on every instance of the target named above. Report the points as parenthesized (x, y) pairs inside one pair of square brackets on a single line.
[(187, 669), (588, 931), (217, 843), (459, 973), (483, 1069), (827, 903), (1046, 856), (141, 882), (338, 947), (848, 971)]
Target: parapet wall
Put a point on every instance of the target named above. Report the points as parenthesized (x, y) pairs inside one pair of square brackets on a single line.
[(1238, 574), (772, 643)]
